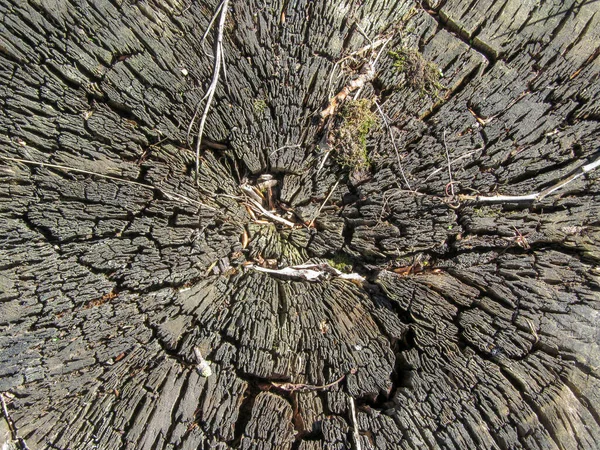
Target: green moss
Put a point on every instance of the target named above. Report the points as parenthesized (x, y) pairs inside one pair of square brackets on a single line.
[(341, 262), (421, 75), (259, 106), (355, 121), (486, 211)]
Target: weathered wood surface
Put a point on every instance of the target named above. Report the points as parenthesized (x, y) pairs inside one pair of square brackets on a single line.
[(486, 334)]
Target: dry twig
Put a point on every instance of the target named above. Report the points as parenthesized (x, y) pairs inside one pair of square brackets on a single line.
[(292, 387), (16, 440), (387, 126), (256, 205), (361, 51), (533, 331), (323, 204), (449, 167), (367, 74), (537, 196), (210, 92), (355, 433), (464, 155), (310, 272)]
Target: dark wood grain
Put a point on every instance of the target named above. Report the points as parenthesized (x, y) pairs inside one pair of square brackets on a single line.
[(476, 325)]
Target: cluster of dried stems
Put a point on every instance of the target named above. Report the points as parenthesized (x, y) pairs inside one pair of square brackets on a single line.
[(219, 58)]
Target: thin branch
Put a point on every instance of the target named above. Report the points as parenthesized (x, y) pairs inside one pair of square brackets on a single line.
[(537, 196), (583, 170), (310, 272), (361, 31), (301, 387), (208, 28), (12, 428), (355, 433), (501, 198), (387, 125), (383, 44), (168, 194), (7, 418), (284, 147), (449, 165), (366, 75), (373, 64), (270, 215), (323, 204), (464, 155), (219, 57), (360, 51)]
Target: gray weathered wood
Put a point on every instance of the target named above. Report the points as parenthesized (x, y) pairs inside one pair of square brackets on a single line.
[(477, 325)]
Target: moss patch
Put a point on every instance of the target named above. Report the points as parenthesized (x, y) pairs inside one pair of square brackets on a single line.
[(259, 106), (341, 262), (421, 75), (355, 120)]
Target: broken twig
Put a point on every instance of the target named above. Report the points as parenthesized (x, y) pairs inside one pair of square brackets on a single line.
[(310, 272), (537, 196), (366, 74), (256, 205), (16, 440), (361, 51)]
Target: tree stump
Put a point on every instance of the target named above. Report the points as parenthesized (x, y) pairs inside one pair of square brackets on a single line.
[(427, 280)]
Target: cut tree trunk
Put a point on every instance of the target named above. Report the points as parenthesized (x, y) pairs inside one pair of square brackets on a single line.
[(423, 314)]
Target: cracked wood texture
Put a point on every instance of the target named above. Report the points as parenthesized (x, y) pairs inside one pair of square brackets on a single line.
[(478, 323)]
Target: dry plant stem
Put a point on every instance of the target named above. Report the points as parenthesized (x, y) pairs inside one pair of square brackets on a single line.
[(11, 427), (464, 155), (537, 196), (215, 79), (323, 204), (284, 147), (310, 272), (7, 418), (358, 82), (387, 126), (355, 434), (533, 331), (208, 28), (367, 75), (170, 195), (253, 194), (449, 166), (290, 387), (360, 51), (372, 64), (270, 215)]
